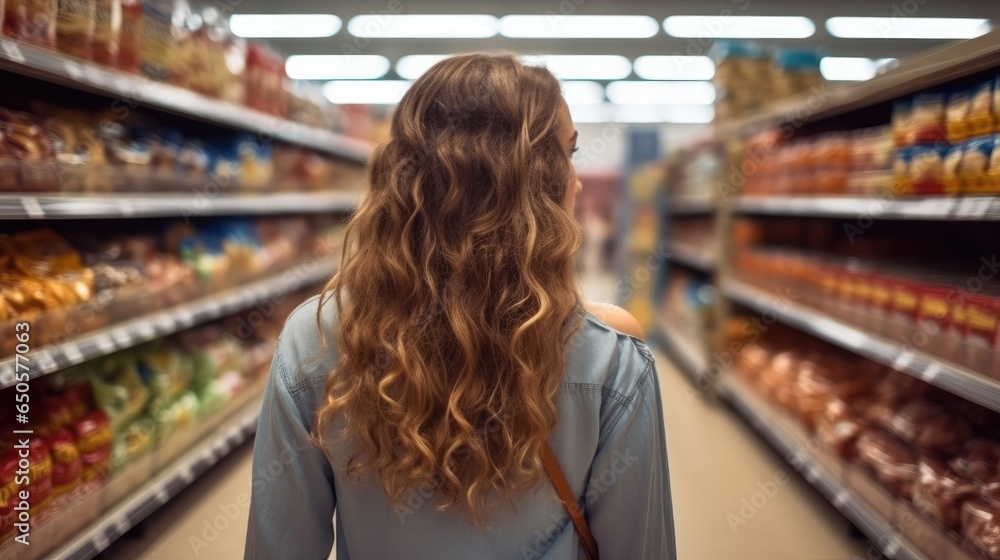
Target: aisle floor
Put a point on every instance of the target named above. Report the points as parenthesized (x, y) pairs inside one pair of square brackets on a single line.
[(716, 463)]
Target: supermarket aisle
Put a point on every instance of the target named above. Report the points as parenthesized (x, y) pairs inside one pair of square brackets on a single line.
[(716, 463)]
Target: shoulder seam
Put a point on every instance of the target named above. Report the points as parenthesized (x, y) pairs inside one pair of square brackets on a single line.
[(301, 385), (625, 405), (596, 388)]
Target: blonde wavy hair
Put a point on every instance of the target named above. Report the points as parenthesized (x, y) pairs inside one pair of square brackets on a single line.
[(456, 293)]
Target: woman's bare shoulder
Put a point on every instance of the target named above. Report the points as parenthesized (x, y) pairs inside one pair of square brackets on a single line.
[(616, 318)]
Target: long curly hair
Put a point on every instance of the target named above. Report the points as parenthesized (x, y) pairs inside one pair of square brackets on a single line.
[(456, 293)]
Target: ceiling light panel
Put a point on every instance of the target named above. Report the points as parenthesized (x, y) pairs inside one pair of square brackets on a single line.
[(583, 67), (851, 69), (424, 26), (578, 27), (411, 67), (740, 27), (583, 93), (674, 67), (379, 92), (276, 26), (336, 67), (661, 93), (907, 27)]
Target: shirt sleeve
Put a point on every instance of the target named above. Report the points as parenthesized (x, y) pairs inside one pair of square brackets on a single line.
[(293, 498), (628, 501)]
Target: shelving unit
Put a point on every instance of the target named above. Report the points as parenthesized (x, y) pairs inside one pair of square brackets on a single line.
[(973, 208), (130, 89), (951, 377), (50, 207), (691, 257), (690, 206), (145, 328), (795, 448), (239, 427), (684, 352)]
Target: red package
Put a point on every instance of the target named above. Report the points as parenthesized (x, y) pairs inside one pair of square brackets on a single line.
[(982, 318), (981, 525), (940, 493), (933, 317), (67, 467), (31, 21), (93, 441), (893, 462), (929, 428)]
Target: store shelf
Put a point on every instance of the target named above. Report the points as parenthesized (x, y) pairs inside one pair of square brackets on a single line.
[(878, 529), (690, 356), (951, 377), (983, 208), (691, 257), (146, 499), (145, 328), (939, 66), (690, 206), (129, 90), (19, 207)]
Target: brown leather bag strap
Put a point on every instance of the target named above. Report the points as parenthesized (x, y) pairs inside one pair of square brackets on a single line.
[(569, 501)]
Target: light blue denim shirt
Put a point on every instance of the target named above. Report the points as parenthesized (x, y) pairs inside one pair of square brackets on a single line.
[(609, 441)]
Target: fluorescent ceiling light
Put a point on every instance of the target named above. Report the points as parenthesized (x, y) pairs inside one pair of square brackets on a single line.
[(424, 26), (578, 27), (336, 67), (674, 67), (411, 67), (659, 114), (284, 25), (583, 93), (583, 67), (661, 93), (740, 27), (850, 69), (377, 92), (907, 27)]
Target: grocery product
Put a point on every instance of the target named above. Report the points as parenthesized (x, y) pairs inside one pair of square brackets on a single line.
[(107, 32), (31, 21), (75, 25), (157, 39), (130, 36)]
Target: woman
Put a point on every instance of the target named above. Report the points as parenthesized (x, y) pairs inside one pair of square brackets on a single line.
[(416, 396)]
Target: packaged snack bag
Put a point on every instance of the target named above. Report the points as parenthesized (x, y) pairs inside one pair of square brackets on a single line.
[(926, 169), (981, 110), (975, 170), (130, 36), (158, 39), (67, 466), (957, 116), (928, 118), (939, 493), (951, 173), (93, 437)]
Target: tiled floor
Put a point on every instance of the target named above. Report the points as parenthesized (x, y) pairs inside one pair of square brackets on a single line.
[(716, 462)]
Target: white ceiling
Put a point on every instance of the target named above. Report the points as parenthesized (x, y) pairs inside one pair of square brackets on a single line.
[(818, 11)]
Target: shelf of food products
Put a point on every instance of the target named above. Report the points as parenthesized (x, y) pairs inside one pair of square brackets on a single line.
[(793, 445), (48, 148), (159, 205), (748, 76), (938, 312), (689, 356), (686, 316), (692, 242), (939, 143), (922, 457), (690, 178), (103, 429), (108, 290), (968, 208), (160, 53), (945, 65)]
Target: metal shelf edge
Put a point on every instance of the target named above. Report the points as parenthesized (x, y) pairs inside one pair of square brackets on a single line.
[(128, 89), (968, 208), (120, 336), (878, 529), (692, 258), (97, 536), (953, 378), (684, 353), (53, 206)]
